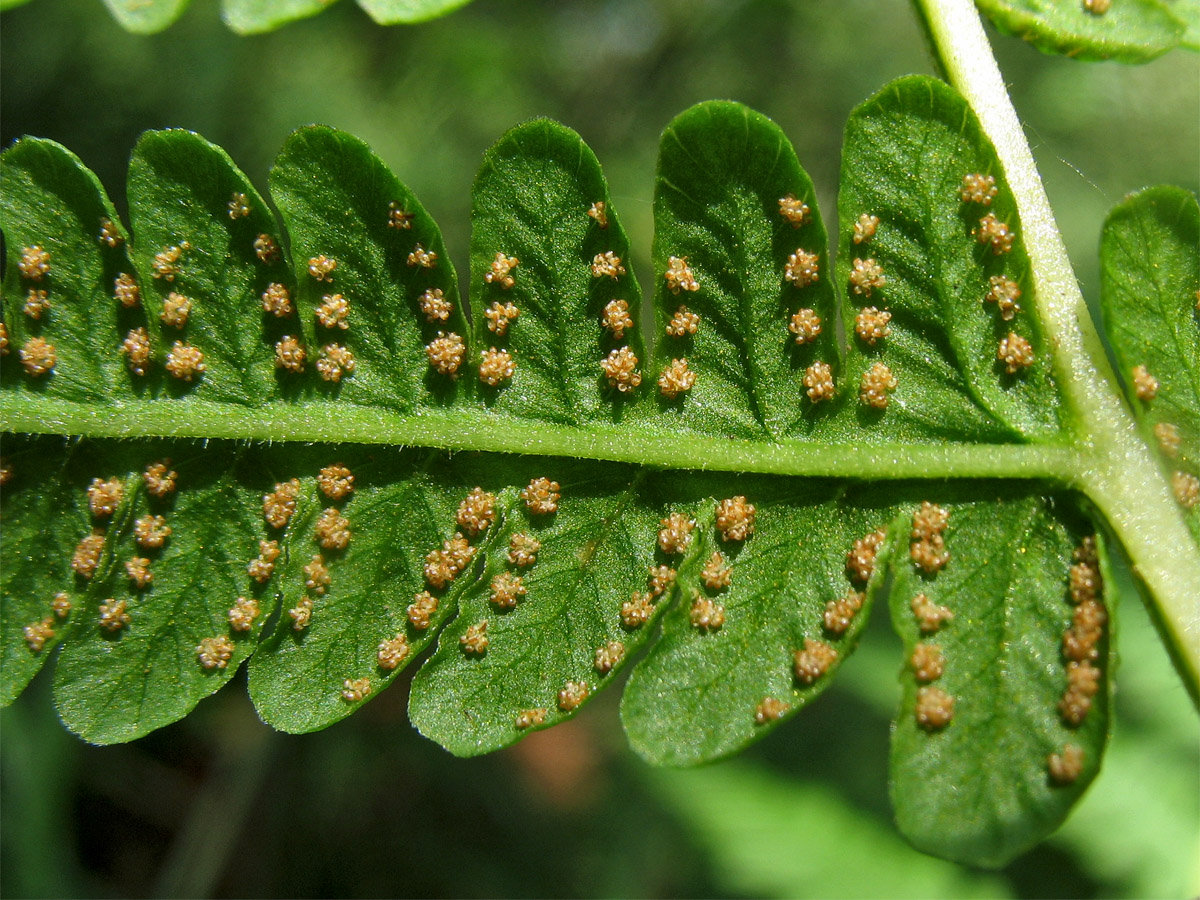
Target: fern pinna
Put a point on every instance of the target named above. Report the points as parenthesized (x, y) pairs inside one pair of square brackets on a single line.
[(227, 441)]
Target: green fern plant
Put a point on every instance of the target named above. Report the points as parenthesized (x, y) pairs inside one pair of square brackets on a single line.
[(725, 527)]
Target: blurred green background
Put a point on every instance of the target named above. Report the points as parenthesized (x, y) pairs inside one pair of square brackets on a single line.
[(220, 805)]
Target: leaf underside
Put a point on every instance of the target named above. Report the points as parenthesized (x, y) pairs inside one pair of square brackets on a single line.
[(1129, 31), (714, 665), (1150, 303)]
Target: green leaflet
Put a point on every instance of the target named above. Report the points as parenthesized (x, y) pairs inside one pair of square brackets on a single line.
[(371, 582), (1149, 296), (594, 555), (702, 695), (979, 789), (50, 201), (1134, 31), (146, 16), (409, 12), (258, 16), (359, 250), (37, 560), (116, 685), (339, 202), (721, 173), (530, 203), (944, 334), (186, 203)]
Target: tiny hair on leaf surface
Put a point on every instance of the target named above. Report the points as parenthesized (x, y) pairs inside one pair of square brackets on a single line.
[(269, 481)]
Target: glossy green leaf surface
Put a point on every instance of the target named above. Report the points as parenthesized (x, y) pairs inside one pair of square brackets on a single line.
[(52, 203), (722, 171), (186, 202), (697, 696), (336, 197), (1150, 299), (1133, 31), (37, 561), (978, 788), (530, 203), (906, 154)]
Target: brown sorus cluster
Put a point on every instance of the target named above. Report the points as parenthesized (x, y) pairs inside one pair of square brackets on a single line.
[(392, 652), (679, 275), (443, 566), (877, 382), (475, 641), (795, 212), (1082, 639), (860, 561), (85, 559), (243, 613), (706, 614), (215, 652), (770, 709), (934, 708), (735, 518), (609, 656), (995, 234), (866, 276), (841, 612), (607, 264), (280, 504), (572, 694), (507, 590), (499, 315), (500, 273), (541, 496), (445, 353), (523, 550), (421, 610), (813, 661), (978, 188), (676, 533), (616, 319), (928, 548), (355, 690), (477, 511), (620, 369), (930, 617), (802, 268)]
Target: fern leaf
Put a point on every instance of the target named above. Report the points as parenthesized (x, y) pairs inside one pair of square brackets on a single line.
[(1132, 32), (287, 398)]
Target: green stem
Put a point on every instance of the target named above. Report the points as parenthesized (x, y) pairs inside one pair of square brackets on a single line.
[(479, 430), (1121, 475)]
